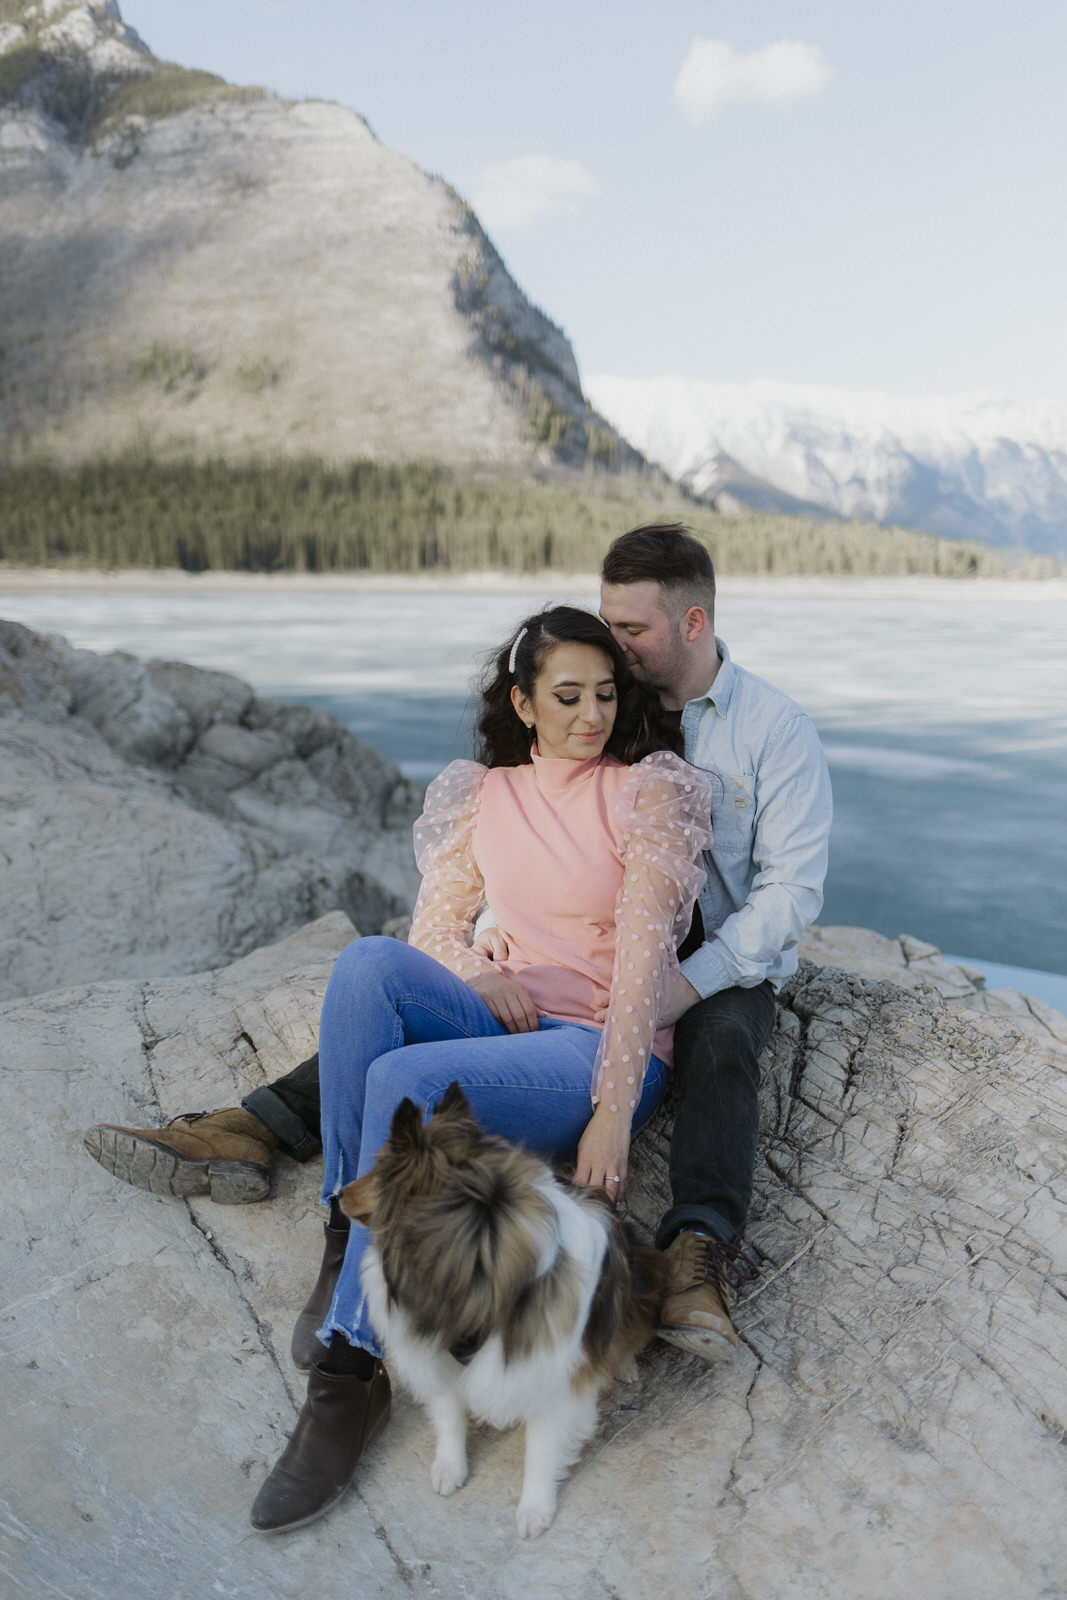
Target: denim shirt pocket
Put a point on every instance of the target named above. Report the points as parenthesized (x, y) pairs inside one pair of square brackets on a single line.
[(733, 813)]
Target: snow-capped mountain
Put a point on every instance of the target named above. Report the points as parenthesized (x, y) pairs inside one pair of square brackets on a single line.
[(970, 466)]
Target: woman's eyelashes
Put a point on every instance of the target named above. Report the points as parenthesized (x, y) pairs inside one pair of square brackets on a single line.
[(605, 699)]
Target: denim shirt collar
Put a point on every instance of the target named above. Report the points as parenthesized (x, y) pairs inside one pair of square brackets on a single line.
[(718, 696)]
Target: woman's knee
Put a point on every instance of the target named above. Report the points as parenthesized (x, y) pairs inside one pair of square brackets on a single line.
[(375, 959), (393, 1077)]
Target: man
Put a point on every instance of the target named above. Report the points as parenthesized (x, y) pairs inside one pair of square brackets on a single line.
[(771, 818), (771, 814)]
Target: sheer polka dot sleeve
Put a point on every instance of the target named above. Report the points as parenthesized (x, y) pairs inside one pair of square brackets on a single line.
[(452, 889), (664, 813)]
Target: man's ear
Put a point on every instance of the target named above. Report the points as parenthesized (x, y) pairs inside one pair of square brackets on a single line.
[(696, 622)]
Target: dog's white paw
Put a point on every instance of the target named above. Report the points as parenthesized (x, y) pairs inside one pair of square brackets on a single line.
[(448, 1474), (533, 1517)]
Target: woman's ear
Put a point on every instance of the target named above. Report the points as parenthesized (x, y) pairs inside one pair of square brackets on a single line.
[(523, 709)]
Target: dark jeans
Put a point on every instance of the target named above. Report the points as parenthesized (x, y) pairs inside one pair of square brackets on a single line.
[(717, 1046)]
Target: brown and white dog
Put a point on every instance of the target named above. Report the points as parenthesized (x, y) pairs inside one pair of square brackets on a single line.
[(499, 1291)]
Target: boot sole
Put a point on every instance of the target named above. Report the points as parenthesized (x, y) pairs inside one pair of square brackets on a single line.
[(713, 1348), (158, 1169)]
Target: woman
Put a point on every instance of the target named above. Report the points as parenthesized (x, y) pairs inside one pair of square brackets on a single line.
[(584, 833)]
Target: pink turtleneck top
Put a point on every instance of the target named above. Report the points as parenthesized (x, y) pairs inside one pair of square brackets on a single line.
[(591, 868)]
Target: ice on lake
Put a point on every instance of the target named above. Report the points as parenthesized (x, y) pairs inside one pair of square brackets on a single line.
[(942, 707)]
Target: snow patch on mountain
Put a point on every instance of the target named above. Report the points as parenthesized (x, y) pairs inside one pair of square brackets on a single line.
[(971, 466)]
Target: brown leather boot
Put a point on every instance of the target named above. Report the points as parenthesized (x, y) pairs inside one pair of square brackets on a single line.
[(696, 1312), (306, 1347), (225, 1154), (342, 1415)]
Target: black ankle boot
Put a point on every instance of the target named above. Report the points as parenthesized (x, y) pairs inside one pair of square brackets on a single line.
[(306, 1348), (342, 1414)]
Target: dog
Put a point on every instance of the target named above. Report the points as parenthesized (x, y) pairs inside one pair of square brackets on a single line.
[(499, 1291)]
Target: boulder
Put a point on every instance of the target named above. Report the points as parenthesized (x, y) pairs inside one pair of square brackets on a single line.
[(893, 1427), (156, 818), (914, 964)]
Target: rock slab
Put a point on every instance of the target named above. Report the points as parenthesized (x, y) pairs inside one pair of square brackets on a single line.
[(156, 818), (894, 1425)]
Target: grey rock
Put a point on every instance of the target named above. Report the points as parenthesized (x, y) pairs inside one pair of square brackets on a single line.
[(893, 1427), (248, 276), (136, 716), (205, 697), (155, 819), (915, 964)]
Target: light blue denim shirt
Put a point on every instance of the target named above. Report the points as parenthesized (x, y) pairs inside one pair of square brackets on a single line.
[(771, 813)]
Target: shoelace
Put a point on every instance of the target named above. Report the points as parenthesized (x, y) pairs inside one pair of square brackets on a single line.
[(724, 1266), (188, 1116)]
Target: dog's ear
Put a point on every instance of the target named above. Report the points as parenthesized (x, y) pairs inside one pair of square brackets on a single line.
[(406, 1129), (454, 1103)]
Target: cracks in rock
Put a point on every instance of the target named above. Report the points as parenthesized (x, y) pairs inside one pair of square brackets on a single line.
[(731, 1486), (1057, 1040), (262, 1332), (244, 1037), (1046, 1419), (903, 1122), (796, 1071), (793, 1182), (407, 1574), (149, 1039), (779, 1272)]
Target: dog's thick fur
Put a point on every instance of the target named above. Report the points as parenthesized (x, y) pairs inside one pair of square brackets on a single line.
[(499, 1291)]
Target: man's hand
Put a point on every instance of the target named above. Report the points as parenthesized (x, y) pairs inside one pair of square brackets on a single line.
[(491, 944), (682, 995), (508, 1000), (604, 1151)]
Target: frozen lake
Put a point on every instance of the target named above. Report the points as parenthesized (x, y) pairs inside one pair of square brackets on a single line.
[(942, 707)]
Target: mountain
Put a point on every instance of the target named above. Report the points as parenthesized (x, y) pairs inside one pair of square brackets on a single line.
[(963, 467), (188, 267)]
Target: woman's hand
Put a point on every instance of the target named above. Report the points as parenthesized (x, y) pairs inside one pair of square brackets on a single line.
[(491, 944), (604, 1152), (508, 1000)]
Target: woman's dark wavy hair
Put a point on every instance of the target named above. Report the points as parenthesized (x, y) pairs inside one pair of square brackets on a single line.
[(502, 739)]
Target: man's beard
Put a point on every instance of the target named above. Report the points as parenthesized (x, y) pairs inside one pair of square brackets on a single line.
[(665, 674)]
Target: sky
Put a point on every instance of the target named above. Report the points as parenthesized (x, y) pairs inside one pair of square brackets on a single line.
[(842, 193)]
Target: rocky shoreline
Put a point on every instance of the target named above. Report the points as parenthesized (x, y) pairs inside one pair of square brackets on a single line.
[(895, 1423), (159, 819)]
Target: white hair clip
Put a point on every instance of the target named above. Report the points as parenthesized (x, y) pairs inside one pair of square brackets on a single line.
[(515, 649)]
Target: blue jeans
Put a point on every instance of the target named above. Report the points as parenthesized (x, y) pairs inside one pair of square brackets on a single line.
[(396, 1023)]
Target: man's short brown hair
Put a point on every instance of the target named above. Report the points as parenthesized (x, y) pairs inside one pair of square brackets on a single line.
[(665, 553)]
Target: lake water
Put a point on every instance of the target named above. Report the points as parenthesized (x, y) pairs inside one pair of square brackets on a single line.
[(942, 708)]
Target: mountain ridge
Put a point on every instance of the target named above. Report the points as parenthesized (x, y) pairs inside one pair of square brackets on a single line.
[(975, 466), (195, 268)]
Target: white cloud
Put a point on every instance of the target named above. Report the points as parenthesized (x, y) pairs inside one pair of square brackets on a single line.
[(516, 193), (713, 74)]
